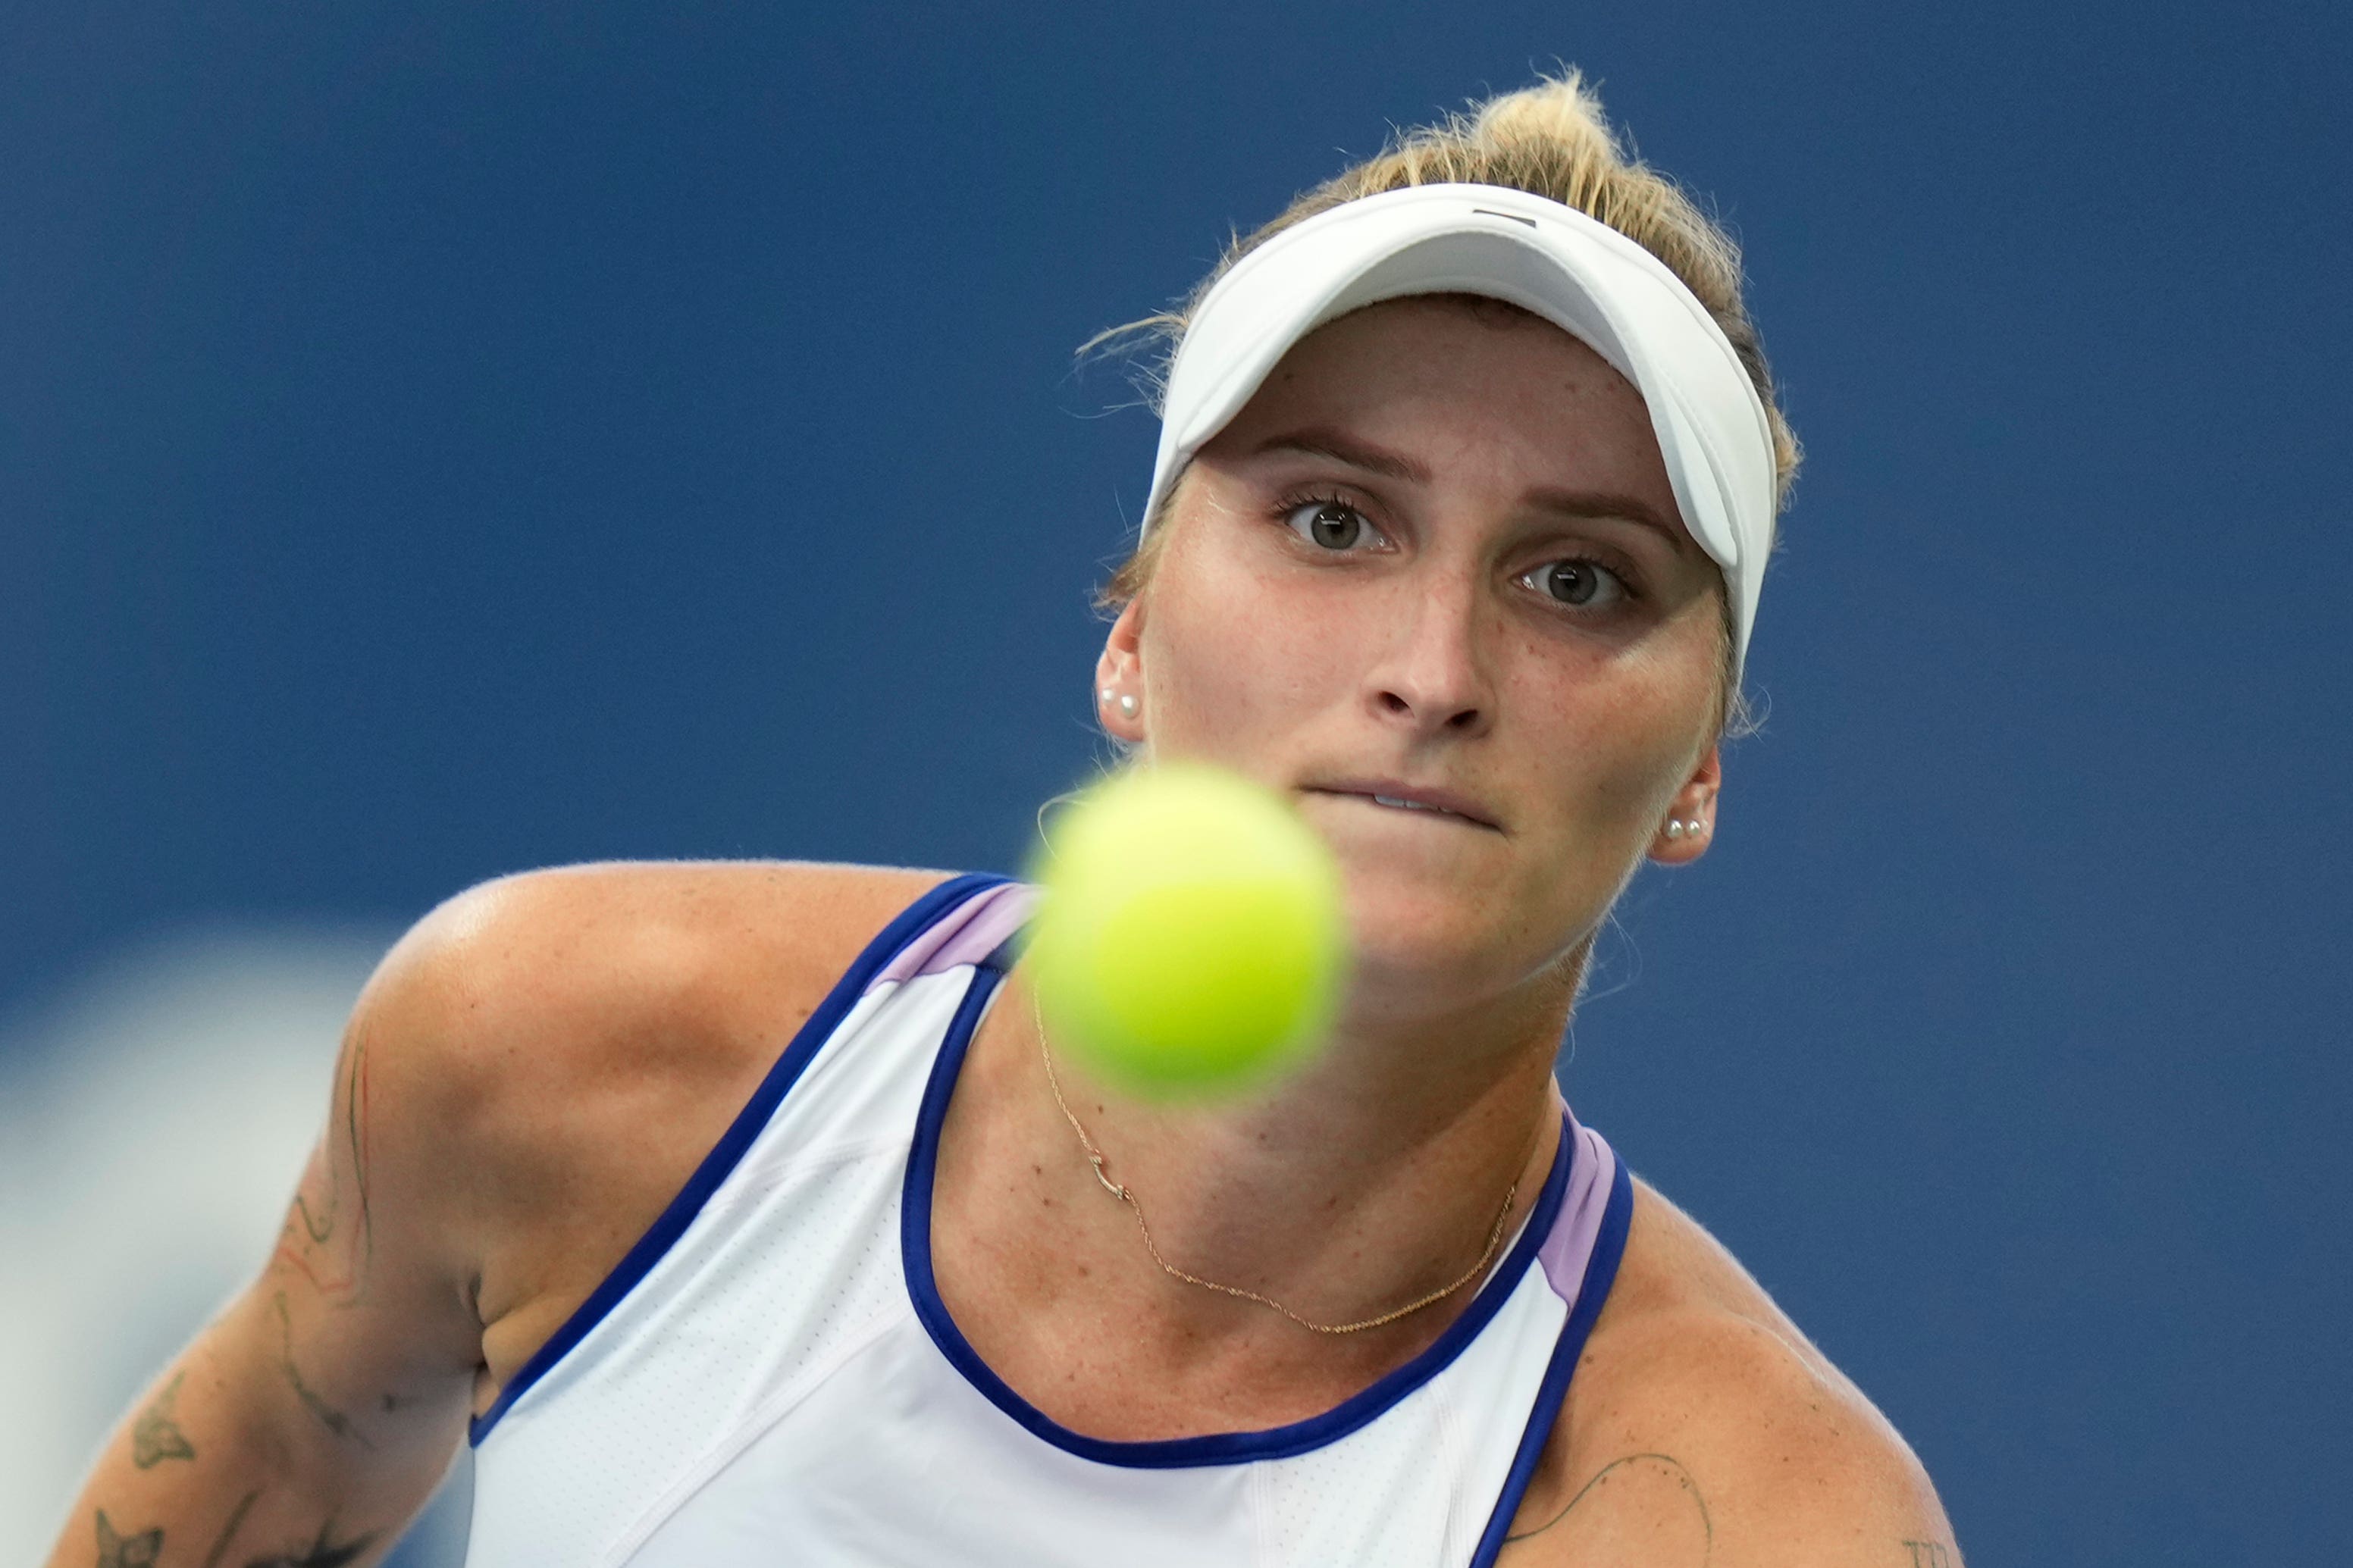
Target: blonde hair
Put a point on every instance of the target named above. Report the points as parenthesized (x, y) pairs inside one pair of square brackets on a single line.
[(1551, 140)]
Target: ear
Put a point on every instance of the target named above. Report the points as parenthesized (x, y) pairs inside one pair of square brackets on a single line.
[(1119, 673), (1694, 806)]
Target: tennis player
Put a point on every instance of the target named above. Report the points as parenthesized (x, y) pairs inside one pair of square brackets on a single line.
[(745, 1213)]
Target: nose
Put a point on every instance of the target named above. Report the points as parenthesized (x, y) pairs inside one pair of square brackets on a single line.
[(1430, 675)]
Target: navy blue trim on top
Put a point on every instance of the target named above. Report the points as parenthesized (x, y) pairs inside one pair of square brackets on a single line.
[(1172, 1453), (725, 1154), (1600, 1273)]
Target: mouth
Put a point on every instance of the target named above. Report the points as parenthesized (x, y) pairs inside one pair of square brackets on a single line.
[(1392, 794)]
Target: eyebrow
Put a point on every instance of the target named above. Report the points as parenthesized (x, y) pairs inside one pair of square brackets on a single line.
[(1320, 442), (1323, 443)]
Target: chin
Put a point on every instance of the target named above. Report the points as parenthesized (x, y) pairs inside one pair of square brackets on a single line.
[(1408, 930)]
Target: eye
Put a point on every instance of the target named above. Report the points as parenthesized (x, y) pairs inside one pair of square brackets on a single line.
[(1579, 583), (1334, 525)]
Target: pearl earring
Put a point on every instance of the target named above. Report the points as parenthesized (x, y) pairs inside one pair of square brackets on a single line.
[(1127, 704), (1674, 828)]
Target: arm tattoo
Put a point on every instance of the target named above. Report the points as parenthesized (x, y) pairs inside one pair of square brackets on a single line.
[(157, 1436), (1929, 1553), (322, 1553), (334, 1419), (1663, 1464), (228, 1532), (328, 1234), (118, 1551)]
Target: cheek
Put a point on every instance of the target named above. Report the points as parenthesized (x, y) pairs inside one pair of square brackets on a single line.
[(1617, 746), (1606, 738), (1234, 658)]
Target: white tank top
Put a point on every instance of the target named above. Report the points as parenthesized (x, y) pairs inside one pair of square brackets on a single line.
[(770, 1377)]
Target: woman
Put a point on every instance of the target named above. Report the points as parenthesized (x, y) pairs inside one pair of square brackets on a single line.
[(744, 1232)]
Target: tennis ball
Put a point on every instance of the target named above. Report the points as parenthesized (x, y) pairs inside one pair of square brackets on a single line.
[(1190, 940)]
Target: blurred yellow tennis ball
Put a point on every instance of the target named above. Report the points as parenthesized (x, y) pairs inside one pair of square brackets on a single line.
[(1190, 942)]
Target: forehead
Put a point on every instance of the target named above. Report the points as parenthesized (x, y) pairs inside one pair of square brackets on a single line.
[(1419, 337), (1462, 374)]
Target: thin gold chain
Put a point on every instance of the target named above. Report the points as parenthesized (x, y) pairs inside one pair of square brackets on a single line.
[(1118, 1190)]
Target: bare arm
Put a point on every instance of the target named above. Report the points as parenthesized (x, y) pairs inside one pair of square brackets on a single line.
[(525, 1085), (312, 1418), (1704, 1431), (1648, 1509)]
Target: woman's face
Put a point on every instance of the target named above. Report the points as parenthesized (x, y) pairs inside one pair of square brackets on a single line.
[(1437, 558)]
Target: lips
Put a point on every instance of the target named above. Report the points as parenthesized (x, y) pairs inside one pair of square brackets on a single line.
[(1395, 794)]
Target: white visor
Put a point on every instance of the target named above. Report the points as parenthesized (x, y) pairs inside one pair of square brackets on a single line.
[(1549, 260)]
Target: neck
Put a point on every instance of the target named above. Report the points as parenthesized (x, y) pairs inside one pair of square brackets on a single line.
[(1370, 1179)]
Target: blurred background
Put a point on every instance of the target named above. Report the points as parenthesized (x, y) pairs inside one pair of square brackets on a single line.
[(444, 439)]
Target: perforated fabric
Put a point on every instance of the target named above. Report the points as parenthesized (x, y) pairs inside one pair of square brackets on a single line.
[(767, 1390)]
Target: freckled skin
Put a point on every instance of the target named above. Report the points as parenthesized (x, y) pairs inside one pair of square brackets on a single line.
[(1429, 660), (1479, 447)]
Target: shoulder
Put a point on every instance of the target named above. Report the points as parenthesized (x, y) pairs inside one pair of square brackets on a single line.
[(560, 1048), (604, 933), (592, 966), (1704, 1425)]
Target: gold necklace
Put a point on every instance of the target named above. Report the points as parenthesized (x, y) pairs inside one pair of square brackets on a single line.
[(1118, 1190)]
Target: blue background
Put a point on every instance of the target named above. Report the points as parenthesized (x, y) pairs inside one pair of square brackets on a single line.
[(444, 439)]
